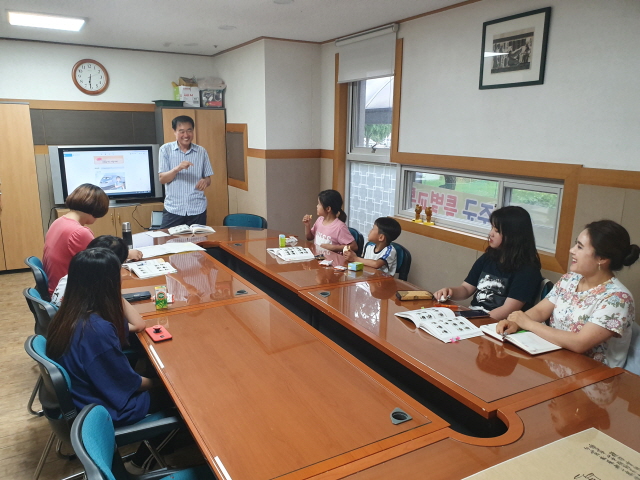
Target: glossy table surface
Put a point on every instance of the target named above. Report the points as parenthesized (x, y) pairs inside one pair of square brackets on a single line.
[(481, 372), (200, 280), (265, 395), (297, 275), (612, 406), (222, 234)]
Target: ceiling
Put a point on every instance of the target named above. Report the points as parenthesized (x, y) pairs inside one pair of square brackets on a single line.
[(193, 26)]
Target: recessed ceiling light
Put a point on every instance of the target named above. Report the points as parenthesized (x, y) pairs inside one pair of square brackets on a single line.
[(227, 27), (282, 2), (45, 21)]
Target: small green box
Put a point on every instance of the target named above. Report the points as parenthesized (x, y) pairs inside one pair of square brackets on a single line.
[(355, 266)]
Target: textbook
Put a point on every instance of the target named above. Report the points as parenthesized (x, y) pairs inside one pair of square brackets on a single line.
[(195, 228), (527, 341), (150, 268), (292, 254), (442, 323)]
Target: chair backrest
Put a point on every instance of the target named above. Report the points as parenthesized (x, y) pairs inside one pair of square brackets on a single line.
[(55, 392), (40, 276), (93, 440), (545, 287), (359, 240), (244, 220), (404, 261), (43, 311), (633, 357)]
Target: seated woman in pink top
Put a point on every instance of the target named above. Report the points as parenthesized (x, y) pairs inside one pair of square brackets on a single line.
[(329, 231), (68, 235)]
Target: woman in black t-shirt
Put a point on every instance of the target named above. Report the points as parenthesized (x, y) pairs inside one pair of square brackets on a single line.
[(506, 277)]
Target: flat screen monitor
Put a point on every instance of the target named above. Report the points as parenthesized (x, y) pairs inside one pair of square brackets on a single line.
[(124, 172)]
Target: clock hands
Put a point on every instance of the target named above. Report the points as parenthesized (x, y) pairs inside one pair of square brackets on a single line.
[(89, 80)]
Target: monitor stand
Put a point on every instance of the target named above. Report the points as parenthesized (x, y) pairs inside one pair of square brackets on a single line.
[(122, 203)]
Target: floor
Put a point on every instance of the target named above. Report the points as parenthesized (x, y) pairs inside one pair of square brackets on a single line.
[(22, 435)]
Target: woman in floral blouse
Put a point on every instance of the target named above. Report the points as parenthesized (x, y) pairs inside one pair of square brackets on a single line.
[(591, 311)]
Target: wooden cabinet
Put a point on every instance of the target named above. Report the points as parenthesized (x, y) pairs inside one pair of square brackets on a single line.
[(20, 219), (210, 133), (139, 216)]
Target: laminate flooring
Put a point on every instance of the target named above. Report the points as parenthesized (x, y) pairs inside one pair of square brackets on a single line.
[(22, 436)]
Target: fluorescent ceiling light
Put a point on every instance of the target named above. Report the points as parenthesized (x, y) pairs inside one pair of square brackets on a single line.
[(45, 21), (493, 54)]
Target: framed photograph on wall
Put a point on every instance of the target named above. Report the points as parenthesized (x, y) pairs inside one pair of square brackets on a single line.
[(514, 50)]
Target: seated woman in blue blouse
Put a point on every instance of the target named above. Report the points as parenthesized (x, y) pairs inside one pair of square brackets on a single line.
[(87, 335)]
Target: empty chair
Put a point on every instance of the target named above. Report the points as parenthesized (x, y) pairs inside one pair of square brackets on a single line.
[(96, 444), (40, 276), (60, 411), (404, 261), (244, 220), (359, 240)]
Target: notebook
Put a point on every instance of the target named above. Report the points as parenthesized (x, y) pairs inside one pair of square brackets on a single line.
[(527, 341)]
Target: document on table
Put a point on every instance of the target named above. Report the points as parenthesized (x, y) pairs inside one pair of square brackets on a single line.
[(168, 249), (587, 455), (527, 341), (157, 233)]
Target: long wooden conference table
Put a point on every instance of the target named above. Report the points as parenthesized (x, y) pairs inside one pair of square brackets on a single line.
[(266, 395)]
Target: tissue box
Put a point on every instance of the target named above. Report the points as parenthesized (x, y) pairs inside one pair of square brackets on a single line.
[(355, 266), (189, 95), (212, 98)]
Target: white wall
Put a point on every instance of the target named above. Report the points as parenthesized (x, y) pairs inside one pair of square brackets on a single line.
[(327, 94), (587, 111), (42, 71), (243, 70), (292, 80)]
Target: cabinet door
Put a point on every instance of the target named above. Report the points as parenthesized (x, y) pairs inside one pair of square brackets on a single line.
[(104, 225), (212, 136), (21, 218), (3, 265), (140, 216)]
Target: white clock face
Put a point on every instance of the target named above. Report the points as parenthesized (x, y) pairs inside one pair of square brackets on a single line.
[(91, 77)]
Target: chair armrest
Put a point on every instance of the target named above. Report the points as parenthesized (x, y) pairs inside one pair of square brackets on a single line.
[(146, 430)]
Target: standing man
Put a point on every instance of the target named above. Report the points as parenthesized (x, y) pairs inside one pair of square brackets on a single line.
[(185, 170)]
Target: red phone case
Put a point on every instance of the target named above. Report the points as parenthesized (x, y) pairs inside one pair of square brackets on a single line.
[(159, 336)]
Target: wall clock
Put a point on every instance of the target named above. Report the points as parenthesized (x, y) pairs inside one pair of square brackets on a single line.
[(90, 77)]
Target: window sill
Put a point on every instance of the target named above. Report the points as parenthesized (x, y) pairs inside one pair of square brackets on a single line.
[(469, 240)]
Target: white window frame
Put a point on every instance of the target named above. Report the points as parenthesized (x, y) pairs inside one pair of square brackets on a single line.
[(364, 154), (504, 184)]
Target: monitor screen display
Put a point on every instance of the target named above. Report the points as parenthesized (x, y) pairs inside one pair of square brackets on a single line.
[(121, 171)]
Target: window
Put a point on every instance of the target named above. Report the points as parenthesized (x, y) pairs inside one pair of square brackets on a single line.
[(464, 201), (370, 119), (371, 194)]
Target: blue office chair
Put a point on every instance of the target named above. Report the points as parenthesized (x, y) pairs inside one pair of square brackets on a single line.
[(60, 411), (96, 445), (633, 357), (359, 240), (244, 220), (545, 287), (43, 313), (40, 276), (404, 261)]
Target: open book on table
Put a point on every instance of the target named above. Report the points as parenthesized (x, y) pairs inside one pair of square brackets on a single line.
[(442, 323), (527, 341), (150, 268), (292, 254), (195, 228)]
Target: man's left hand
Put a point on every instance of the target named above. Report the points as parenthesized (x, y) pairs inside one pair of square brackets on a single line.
[(203, 183)]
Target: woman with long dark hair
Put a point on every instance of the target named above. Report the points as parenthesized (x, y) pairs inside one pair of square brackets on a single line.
[(506, 278), (87, 335), (591, 311)]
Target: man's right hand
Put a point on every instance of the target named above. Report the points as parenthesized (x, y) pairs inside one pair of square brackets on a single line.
[(183, 165)]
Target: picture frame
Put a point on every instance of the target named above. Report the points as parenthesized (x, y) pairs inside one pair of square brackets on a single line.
[(514, 50)]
